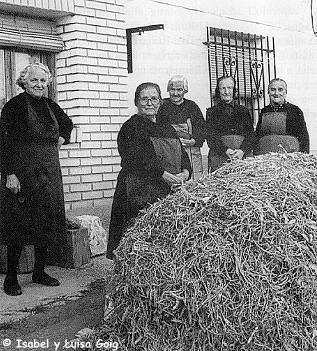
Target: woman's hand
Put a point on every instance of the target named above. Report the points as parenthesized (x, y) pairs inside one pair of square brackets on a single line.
[(171, 179), (60, 142), (184, 175), (237, 154), (229, 153), (13, 183), (187, 142)]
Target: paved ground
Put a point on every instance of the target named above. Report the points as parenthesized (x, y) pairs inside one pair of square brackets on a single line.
[(82, 291), (55, 314)]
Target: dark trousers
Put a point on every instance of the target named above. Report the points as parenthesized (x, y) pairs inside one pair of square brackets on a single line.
[(14, 253)]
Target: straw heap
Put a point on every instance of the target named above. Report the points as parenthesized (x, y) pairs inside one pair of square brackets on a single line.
[(228, 262)]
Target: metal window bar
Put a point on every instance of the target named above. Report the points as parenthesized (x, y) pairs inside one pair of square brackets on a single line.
[(263, 80), (249, 58), (237, 64)]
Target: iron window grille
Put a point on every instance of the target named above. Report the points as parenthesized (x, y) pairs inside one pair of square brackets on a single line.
[(249, 58)]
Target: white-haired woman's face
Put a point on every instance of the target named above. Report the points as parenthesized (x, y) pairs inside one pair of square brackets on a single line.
[(36, 82), (277, 92), (176, 92)]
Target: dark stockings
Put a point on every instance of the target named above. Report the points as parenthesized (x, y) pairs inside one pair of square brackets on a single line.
[(40, 253), (13, 257)]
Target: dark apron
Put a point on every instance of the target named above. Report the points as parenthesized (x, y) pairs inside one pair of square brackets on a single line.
[(142, 190), (36, 215), (184, 130), (273, 128), (136, 191), (232, 141)]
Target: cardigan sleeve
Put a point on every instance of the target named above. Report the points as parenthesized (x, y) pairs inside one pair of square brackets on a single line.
[(213, 134), (8, 124), (300, 129), (162, 114), (249, 140), (64, 122), (199, 125), (137, 152)]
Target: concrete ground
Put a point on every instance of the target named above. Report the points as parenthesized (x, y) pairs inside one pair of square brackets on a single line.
[(55, 314)]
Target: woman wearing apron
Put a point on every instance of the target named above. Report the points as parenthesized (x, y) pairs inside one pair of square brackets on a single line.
[(32, 129), (281, 124), (230, 132), (185, 116), (152, 160)]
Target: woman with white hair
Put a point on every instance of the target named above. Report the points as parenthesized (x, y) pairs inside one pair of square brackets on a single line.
[(186, 117), (281, 123), (32, 129)]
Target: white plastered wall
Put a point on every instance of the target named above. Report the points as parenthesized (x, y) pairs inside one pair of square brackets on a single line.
[(179, 48)]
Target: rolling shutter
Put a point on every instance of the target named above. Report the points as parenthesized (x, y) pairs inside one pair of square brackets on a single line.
[(29, 33)]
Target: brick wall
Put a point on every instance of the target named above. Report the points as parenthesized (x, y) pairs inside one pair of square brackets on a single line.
[(92, 89)]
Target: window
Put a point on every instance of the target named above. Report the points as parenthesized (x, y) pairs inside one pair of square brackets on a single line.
[(12, 61), (249, 58)]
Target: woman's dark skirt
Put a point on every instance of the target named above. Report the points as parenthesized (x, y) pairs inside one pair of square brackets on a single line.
[(36, 215)]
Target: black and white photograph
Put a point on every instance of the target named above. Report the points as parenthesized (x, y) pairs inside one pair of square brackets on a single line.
[(158, 175)]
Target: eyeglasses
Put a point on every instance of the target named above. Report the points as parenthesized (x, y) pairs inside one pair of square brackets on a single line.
[(145, 100)]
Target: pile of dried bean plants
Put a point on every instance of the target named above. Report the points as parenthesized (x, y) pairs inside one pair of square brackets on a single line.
[(228, 262)]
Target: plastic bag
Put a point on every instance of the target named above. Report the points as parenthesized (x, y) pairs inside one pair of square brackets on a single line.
[(97, 234)]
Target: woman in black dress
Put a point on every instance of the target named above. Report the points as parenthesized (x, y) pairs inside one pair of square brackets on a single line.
[(186, 117), (32, 129), (281, 123), (230, 132), (152, 160)]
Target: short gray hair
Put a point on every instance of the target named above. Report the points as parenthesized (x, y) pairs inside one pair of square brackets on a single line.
[(277, 80), (178, 78), (26, 70)]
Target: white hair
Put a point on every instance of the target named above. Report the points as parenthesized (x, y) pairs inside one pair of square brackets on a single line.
[(178, 78), (26, 71)]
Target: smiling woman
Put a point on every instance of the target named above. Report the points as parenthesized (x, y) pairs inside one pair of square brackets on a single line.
[(34, 79), (186, 118), (281, 123), (32, 128), (152, 160)]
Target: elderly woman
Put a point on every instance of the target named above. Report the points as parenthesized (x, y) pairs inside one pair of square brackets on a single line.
[(152, 161), (33, 128), (281, 123), (185, 116), (230, 132)]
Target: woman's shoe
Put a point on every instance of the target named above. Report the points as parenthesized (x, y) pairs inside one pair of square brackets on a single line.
[(11, 286), (44, 279)]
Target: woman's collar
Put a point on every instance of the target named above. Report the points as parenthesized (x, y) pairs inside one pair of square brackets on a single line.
[(279, 106)]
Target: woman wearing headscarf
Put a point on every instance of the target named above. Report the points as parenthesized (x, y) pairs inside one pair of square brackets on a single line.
[(152, 160), (281, 124), (32, 129), (187, 119), (230, 132)]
